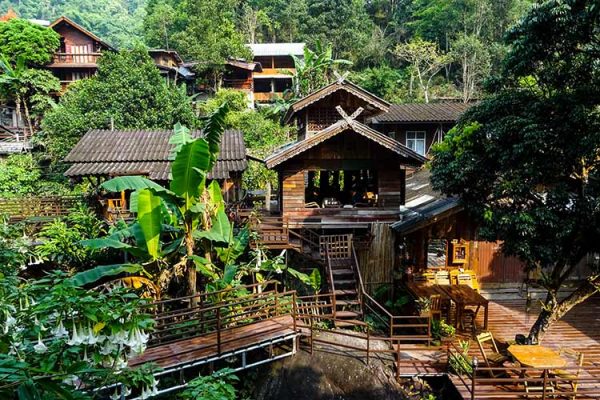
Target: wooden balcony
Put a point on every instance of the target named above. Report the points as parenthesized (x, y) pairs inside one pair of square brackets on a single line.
[(267, 97), (282, 72), (339, 217), (75, 60), (239, 84)]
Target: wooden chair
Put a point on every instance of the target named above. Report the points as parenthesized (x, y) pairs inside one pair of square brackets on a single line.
[(492, 358), (442, 278), (425, 277), (436, 306), (570, 378)]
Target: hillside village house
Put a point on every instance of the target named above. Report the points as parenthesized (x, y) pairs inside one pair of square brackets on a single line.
[(104, 154)]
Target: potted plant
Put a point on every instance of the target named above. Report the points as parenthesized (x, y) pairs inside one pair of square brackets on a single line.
[(423, 306)]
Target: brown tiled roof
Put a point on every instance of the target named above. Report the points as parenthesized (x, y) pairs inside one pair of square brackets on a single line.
[(419, 112), (292, 150), (145, 152), (332, 88)]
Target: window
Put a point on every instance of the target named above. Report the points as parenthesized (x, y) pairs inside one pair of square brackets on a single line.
[(415, 140), (392, 134)]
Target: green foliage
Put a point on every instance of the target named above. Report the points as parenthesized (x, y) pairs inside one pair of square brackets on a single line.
[(55, 335), (384, 81), (20, 38), (459, 360), (315, 69), (440, 329), (218, 386), (19, 175), (60, 239), (128, 90), (117, 22)]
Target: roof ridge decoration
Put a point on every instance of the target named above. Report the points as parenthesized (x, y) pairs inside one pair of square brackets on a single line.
[(339, 84), (343, 124)]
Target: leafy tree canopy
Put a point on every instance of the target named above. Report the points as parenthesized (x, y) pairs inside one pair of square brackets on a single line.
[(128, 90), (34, 43), (526, 161)]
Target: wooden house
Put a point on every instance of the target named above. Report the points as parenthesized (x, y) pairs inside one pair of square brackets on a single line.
[(168, 63), (78, 54), (278, 67), (104, 154), (340, 173), (419, 126)]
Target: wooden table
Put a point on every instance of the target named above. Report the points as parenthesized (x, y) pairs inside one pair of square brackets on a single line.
[(426, 290), (465, 296), (536, 356)]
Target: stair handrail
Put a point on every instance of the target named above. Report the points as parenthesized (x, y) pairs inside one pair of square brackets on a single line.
[(331, 283)]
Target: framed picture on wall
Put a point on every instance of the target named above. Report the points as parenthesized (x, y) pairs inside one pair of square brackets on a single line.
[(460, 253)]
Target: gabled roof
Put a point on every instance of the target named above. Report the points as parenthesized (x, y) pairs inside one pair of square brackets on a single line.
[(172, 53), (328, 90), (446, 112), (292, 150), (106, 152), (277, 49), (247, 65), (70, 22)]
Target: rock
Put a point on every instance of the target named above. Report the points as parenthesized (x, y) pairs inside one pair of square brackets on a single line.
[(327, 374)]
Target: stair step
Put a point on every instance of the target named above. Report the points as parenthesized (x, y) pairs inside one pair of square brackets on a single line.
[(344, 292), (347, 314), (344, 282), (342, 272), (349, 322), (347, 302)]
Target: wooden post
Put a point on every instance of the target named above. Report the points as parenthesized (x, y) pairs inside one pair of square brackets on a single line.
[(473, 379), (545, 382), (368, 343), (219, 330)]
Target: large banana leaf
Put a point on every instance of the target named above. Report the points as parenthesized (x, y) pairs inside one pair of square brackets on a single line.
[(236, 247), (149, 218), (188, 170), (216, 196), (95, 274), (121, 183), (220, 231), (213, 127), (181, 136), (113, 243)]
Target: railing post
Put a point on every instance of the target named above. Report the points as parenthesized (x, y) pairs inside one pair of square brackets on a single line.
[(545, 382), (276, 304), (368, 343), (312, 346), (473, 379), (294, 310), (219, 330)]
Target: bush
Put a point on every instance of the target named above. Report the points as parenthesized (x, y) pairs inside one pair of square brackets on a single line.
[(218, 386), (19, 175)]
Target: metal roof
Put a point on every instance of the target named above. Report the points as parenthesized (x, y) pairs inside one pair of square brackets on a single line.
[(277, 49), (421, 112), (424, 214), (146, 152)]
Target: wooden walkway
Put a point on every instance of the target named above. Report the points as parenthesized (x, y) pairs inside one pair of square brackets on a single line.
[(192, 350)]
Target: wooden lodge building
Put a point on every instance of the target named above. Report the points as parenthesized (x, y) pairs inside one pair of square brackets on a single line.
[(104, 154)]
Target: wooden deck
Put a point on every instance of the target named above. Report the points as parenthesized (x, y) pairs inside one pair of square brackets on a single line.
[(204, 347), (578, 330)]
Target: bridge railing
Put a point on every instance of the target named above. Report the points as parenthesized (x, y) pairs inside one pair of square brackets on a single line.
[(219, 317), (49, 206)]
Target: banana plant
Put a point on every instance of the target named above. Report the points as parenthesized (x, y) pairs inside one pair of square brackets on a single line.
[(171, 221)]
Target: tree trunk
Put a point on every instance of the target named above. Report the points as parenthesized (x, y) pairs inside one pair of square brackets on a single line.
[(191, 269), (28, 119), (553, 310)]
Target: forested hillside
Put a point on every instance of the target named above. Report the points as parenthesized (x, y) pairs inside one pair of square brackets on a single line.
[(462, 39)]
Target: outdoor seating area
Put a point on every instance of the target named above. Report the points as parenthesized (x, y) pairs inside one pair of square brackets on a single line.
[(453, 296), (565, 365)]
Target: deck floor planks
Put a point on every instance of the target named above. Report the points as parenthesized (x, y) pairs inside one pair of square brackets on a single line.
[(578, 330), (198, 348)]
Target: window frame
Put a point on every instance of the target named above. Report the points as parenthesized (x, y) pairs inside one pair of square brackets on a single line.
[(415, 139)]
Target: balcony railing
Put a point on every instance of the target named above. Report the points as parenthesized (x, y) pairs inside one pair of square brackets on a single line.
[(71, 58)]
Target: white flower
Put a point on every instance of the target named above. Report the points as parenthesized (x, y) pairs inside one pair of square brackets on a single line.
[(60, 331), (107, 348), (76, 339), (72, 380), (40, 347), (10, 322)]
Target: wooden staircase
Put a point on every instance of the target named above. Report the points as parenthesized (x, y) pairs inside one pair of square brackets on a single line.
[(344, 279)]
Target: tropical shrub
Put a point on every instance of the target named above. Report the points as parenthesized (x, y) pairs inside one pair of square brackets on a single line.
[(19, 175), (218, 386)]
